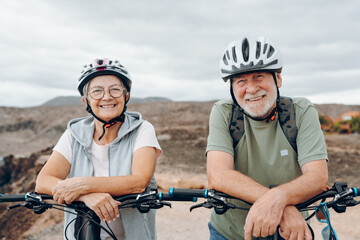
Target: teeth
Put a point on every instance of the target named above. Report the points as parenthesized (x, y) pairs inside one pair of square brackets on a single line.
[(255, 99), (107, 106)]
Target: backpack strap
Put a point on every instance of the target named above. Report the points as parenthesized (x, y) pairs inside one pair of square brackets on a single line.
[(237, 129), (286, 118)]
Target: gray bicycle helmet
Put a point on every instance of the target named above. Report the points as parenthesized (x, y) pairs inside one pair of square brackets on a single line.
[(249, 55), (101, 67)]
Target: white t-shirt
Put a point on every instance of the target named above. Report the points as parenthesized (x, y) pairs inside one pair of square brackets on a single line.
[(146, 138)]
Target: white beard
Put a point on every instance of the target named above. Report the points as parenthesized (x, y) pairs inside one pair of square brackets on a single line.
[(261, 109)]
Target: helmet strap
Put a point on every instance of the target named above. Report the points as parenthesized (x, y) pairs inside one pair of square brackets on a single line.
[(112, 122), (271, 116)]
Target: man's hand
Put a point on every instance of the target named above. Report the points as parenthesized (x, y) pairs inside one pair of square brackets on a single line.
[(103, 205), (69, 190), (293, 225), (265, 215)]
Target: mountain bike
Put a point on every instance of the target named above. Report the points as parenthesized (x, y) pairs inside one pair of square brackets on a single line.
[(340, 194), (342, 197)]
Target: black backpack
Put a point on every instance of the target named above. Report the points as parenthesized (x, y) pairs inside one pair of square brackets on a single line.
[(286, 113)]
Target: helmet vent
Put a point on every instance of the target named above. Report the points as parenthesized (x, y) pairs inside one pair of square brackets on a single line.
[(225, 60), (124, 71), (271, 52), (234, 54), (245, 50), (100, 62), (265, 48), (258, 49)]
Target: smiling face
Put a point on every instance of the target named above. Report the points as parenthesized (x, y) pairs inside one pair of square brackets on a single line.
[(112, 103), (256, 92)]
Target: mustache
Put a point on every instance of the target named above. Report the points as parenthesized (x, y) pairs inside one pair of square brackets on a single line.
[(256, 95)]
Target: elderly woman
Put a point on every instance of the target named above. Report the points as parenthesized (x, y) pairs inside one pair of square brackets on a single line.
[(111, 153)]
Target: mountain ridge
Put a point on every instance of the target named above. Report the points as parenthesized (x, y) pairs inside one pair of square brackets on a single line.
[(76, 100)]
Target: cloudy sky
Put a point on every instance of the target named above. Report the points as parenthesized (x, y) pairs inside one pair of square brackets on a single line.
[(172, 48)]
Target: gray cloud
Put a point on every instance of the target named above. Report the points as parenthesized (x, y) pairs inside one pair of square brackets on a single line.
[(172, 48)]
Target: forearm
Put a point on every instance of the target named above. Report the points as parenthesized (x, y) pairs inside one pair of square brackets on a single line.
[(45, 183), (236, 184), (313, 181), (56, 169), (115, 186)]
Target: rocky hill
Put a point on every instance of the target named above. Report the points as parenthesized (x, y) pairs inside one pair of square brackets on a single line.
[(75, 100), (335, 110), (25, 130)]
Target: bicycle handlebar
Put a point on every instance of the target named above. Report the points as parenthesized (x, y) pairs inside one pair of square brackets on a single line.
[(198, 193), (22, 197), (338, 191), (151, 199)]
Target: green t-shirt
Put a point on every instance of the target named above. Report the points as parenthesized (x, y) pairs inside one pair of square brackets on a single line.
[(263, 153)]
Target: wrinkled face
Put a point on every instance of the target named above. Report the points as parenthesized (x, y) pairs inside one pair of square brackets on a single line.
[(106, 96), (256, 92)]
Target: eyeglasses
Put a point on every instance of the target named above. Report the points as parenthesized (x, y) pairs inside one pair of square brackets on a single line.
[(98, 93)]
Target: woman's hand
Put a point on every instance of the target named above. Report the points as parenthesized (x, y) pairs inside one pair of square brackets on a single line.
[(103, 205), (69, 190), (293, 225)]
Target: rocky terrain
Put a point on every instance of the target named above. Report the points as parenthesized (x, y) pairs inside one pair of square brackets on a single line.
[(28, 134)]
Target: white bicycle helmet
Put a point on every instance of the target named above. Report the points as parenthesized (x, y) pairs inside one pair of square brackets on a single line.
[(249, 55), (101, 67)]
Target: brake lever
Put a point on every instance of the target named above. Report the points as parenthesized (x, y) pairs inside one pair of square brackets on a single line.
[(352, 202), (16, 206), (219, 203), (204, 204), (144, 207), (165, 204), (36, 206)]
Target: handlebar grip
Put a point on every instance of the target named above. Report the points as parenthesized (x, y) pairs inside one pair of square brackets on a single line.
[(356, 192), (167, 197), (181, 192), (13, 198)]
